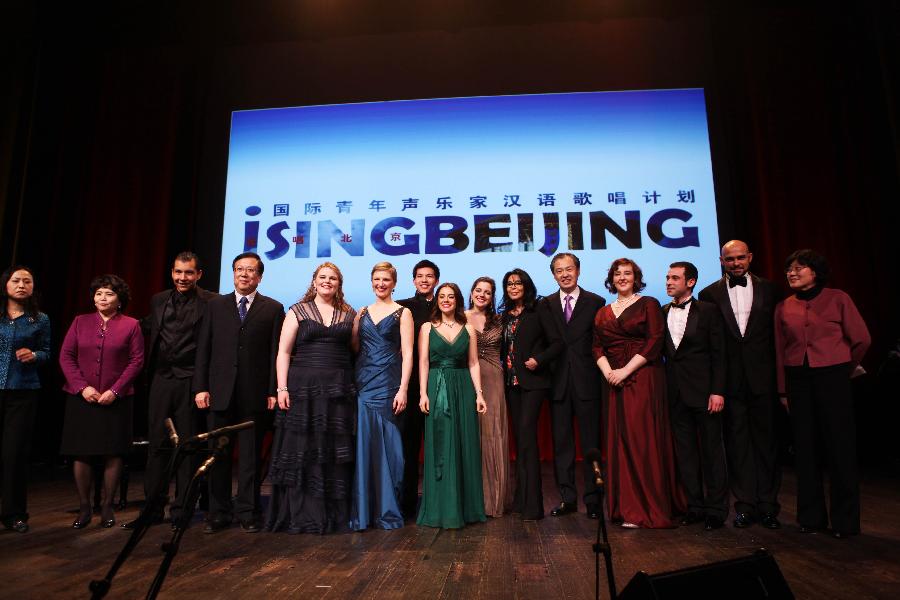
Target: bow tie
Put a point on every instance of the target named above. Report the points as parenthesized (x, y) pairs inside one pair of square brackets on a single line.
[(741, 280), (682, 305)]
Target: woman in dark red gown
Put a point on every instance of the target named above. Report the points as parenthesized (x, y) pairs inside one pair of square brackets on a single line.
[(641, 486)]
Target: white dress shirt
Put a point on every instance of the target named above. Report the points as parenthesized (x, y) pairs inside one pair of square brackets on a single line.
[(741, 299), (250, 298), (574, 294), (677, 322)]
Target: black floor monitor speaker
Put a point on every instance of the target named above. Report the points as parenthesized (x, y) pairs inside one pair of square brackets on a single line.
[(749, 578)]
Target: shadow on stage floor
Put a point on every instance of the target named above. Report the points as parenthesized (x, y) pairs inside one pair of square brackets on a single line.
[(503, 558)]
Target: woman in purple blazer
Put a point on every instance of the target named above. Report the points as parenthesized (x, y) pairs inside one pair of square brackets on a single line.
[(101, 356)]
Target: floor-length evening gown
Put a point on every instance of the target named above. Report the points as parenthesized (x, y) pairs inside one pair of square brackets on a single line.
[(494, 424), (451, 480), (379, 446), (641, 485), (313, 448)]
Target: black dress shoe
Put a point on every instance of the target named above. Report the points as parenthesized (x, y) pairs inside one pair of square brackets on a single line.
[(82, 521), (690, 518), (216, 525), (19, 526), (564, 508), (593, 511), (712, 522), (742, 520), (770, 521), (250, 525)]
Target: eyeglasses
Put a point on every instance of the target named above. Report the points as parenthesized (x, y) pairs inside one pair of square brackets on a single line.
[(510, 284), (247, 270), (795, 269)]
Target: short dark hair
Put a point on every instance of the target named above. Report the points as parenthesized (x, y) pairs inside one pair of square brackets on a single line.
[(813, 260), (188, 256), (31, 304), (114, 283), (459, 313), (260, 266), (638, 274), (530, 297), (562, 255), (427, 264), (690, 271)]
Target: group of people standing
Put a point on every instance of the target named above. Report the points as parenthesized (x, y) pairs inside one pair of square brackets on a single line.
[(686, 393)]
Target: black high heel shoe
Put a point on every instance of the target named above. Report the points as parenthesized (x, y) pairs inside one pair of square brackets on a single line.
[(107, 518), (84, 518)]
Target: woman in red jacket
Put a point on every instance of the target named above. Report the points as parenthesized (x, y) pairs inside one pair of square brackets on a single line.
[(101, 356), (820, 338)]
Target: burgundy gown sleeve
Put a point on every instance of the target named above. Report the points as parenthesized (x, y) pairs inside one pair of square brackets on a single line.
[(653, 343), (597, 346)]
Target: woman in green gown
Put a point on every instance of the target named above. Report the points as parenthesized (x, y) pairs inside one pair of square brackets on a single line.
[(451, 397)]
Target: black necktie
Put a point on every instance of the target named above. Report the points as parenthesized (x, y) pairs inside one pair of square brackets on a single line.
[(740, 280), (682, 305)]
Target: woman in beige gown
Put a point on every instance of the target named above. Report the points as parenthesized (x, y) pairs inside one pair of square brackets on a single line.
[(493, 424)]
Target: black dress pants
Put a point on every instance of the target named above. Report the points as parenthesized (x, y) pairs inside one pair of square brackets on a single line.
[(247, 504), (822, 419), (702, 463), (525, 410), (17, 413), (587, 413), (412, 427)]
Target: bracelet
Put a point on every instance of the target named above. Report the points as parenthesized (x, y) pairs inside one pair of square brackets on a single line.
[(281, 389)]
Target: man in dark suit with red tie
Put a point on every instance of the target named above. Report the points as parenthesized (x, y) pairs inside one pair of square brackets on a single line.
[(695, 374), (235, 379), (567, 318), (747, 305)]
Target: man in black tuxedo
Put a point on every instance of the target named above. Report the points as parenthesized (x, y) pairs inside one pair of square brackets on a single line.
[(695, 372), (235, 380), (426, 276), (567, 318), (747, 305), (172, 328)]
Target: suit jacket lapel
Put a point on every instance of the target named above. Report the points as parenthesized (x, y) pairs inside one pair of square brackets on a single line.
[(160, 309), (579, 306), (670, 343), (234, 308), (556, 309), (254, 307), (690, 328), (724, 303), (756, 306)]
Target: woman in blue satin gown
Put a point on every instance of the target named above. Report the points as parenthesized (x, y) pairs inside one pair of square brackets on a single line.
[(383, 335)]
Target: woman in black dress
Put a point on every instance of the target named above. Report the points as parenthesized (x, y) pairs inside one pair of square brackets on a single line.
[(527, 378), (313, 450)]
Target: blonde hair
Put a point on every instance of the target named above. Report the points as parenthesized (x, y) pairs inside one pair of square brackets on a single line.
[(385, 266), (338, 300)]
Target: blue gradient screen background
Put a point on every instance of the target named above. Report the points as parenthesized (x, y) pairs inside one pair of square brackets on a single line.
[(478, 185)]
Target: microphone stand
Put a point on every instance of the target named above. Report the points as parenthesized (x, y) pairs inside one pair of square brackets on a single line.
[(602, 547), (180, 525)]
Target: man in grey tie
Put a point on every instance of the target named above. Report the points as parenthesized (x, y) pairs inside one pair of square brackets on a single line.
[(568, 321)]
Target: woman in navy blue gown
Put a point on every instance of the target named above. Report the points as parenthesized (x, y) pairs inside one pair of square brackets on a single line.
[(383, 334)]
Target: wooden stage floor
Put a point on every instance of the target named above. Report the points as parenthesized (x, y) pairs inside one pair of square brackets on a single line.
[(503, 558)]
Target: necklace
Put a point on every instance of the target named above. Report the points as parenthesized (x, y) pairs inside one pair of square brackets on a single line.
[(449, 324), (626, 301)]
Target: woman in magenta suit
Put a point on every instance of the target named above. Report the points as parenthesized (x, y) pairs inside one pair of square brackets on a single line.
[(101, 356)]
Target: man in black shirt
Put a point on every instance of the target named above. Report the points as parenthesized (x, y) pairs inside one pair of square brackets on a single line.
[(426, 276), (171, 328)]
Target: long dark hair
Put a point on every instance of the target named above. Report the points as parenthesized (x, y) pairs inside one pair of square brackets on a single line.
[(529, 300), (30, 305), (490, 311), (459, 313)]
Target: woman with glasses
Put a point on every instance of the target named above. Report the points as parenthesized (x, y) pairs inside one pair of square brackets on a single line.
[(820, 339), (101, 356), (527, 381)]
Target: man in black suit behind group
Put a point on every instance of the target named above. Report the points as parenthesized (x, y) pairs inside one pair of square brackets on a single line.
[(747, 304), (568, 321), (695, 372), (426, 276), (235, 380), (172, 328)]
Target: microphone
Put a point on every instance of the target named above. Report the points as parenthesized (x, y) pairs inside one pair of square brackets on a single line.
[(223, 441), (202, 437), (593, 456), (170, 427)]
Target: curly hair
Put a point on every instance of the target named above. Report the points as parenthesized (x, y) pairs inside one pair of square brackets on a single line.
[(459, 314), (638, 275), (114, 283), (338, 300)]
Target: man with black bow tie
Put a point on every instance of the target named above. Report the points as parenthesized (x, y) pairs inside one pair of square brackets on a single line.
[(695, 372), (747, 304)]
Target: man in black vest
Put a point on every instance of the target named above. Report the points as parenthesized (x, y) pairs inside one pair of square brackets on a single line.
[(426, 276), (747, 305), (695, 372), (235, 380), (568, 321), (172, 328)]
